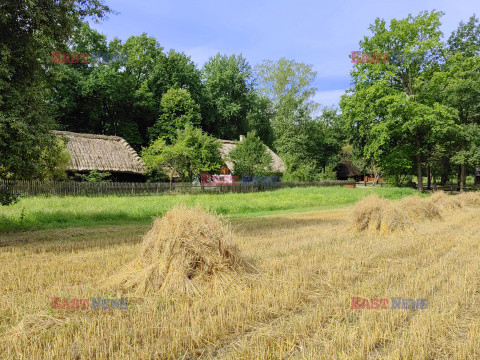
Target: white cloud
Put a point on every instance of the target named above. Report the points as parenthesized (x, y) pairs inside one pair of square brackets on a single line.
[(329, 97)]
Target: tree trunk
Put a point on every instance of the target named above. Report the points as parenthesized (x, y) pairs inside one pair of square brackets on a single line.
[(462, 177), (419, 172), (429, 177), (434, 181), (459, 171)]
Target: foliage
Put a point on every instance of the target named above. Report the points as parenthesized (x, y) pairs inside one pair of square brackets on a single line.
[(177, 70), (29, 30), (7, 195), (228, 83), (156, 160), (306, 171), (389, 109), (192, 153), (466, 39), (95, 176), (289, 85), (260, 117), (310, 143), (56, 161), (177, 108), (250, 156)]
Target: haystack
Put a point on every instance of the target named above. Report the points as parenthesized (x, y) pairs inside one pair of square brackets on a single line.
[(186, 249), (418, 208), (446, 202), (471, 199), (375, 214)]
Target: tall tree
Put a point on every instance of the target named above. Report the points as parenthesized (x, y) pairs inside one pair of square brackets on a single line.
[(29, 31), (300, 138), (260, 117), (176, 69), (466, 39), (228, 83), (461, 90), (386, 109), (177, 109), (289, 85)]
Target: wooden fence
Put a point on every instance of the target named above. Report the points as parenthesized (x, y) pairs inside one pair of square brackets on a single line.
[(72, 188)]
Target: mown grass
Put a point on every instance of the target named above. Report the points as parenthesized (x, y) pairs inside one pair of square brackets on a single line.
[(62, 212)]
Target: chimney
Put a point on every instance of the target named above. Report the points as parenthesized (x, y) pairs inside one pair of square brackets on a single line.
[(242, 137)]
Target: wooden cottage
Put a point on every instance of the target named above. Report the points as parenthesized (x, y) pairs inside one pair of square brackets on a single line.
[(105, 153)]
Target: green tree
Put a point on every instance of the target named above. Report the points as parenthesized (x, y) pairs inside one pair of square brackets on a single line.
[(192, 153), (112, 96), (289, 86), (250, 156), (260, 117), (466, 39), (29, 30), (228, 83), (456, 84), (177, 108), (389, 108), (177, 70)]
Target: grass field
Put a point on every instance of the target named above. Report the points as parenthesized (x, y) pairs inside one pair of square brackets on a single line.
[(297, 307), (62, 212)]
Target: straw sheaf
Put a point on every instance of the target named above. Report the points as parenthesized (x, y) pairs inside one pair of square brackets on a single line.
[(376, 214), (186, 249), (101, 152)]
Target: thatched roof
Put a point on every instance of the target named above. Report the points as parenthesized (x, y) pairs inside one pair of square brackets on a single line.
[(346, 169), (101, 152), (278, 166)]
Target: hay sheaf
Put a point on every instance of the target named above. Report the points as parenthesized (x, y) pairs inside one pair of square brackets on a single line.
[(184, 250), (446, 202), (418, 208), (376, 214), (471, 199)]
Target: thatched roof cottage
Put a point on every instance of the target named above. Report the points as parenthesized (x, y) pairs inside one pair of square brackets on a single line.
[(105, 153)]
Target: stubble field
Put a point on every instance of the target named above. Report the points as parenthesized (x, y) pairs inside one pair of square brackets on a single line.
[(297, 305)]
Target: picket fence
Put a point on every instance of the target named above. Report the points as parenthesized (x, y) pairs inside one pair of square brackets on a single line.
[(73, 188)]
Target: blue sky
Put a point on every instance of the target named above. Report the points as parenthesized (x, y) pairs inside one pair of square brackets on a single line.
[(320, 33)]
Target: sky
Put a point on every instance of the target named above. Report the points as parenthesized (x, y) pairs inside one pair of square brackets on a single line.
[(319, 33)]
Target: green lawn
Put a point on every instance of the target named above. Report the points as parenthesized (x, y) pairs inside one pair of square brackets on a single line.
[(61, 212)]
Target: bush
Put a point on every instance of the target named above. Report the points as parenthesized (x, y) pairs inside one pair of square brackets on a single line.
[(192, 153), (95, 176), (7, 196), (251, 157)]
